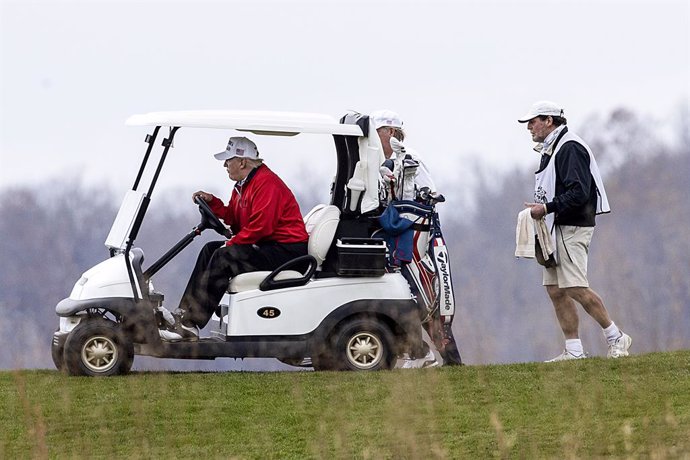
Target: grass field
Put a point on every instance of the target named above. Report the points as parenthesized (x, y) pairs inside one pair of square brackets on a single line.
[(637, 407)]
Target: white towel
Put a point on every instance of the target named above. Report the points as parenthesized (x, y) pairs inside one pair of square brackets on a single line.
[(524, 235)]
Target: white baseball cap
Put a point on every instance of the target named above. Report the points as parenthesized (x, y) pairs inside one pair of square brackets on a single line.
[(239, 147), (382, 118), (542, 108)]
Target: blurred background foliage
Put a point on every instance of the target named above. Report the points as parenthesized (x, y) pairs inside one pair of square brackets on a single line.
[(639, 264)]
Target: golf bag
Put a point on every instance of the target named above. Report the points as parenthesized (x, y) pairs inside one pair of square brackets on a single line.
[(413, 234)]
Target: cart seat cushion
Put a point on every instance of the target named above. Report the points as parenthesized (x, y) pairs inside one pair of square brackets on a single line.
[(252, 280), (321, 223)]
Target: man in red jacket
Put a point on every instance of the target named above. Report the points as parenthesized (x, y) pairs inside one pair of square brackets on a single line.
[(268, 231)]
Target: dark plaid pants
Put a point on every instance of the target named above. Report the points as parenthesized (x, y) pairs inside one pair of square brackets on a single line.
[(218, 263)]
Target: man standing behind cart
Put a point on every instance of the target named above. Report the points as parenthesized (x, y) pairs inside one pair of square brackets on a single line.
[(389, 127), (268, 229)]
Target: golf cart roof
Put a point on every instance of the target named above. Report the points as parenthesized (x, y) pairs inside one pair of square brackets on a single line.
[(257, 122)]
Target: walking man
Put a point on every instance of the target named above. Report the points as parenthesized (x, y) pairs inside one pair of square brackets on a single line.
[(569, 193)]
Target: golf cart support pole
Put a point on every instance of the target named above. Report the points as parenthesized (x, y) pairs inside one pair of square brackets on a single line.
[(147, 198), (150, 139), (167, 143)]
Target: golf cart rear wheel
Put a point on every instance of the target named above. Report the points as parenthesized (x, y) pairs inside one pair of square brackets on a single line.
[(97, 347), (364, 345)]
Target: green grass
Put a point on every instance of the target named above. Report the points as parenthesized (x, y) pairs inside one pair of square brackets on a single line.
[(633, 407)]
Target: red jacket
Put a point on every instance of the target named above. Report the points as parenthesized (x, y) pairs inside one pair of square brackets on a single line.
[(262, 209)]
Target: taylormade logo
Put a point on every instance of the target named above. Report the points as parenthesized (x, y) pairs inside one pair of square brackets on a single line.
[(442, 259)]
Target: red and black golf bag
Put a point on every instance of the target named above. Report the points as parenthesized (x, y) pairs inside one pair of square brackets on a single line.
[(413, 233)]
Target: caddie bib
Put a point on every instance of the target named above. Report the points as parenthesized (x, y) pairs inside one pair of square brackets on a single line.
[(545, 181)]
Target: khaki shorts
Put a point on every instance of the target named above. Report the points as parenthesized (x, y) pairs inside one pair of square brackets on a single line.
[(572, 247)]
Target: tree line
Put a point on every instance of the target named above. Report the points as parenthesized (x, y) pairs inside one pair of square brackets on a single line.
[(639, 257)]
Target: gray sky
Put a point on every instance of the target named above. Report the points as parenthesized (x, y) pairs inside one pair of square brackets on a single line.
[(458, 72)]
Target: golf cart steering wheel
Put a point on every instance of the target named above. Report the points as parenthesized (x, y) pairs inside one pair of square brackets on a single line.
[(209, 220)]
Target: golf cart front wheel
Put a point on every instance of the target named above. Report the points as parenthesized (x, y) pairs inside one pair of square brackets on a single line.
[(98, 348), (364, 345)]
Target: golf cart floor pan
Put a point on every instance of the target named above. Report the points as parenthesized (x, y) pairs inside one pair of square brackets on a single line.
[(237, 347)]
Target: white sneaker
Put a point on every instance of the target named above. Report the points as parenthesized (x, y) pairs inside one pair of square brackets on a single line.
[(179, 332), (420, 363), (619, 347), (566, 356)]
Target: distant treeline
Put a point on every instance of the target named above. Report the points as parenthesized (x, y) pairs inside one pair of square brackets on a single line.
[(640, 258)]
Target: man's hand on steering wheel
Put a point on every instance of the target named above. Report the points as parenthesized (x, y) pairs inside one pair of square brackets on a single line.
[(207, 197), (208, 219)]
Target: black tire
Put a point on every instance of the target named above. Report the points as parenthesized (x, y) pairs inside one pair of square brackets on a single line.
[(324, 361), (97, 347), (57, 352), (362, 345)]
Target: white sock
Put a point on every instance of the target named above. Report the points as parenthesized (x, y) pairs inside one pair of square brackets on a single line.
[(612, 333), (574, 347)]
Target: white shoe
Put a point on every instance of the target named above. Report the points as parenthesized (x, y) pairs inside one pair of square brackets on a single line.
[(619, 347), (421, 363), (566, 356), (179, 332)]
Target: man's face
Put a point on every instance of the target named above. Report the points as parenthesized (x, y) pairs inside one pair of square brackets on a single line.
[(385, 133), (540, 128), (234, 167)]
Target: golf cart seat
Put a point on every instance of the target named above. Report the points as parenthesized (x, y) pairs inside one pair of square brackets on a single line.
[(321, 223)]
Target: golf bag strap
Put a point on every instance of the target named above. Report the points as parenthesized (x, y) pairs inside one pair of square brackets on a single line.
[(421, 227)]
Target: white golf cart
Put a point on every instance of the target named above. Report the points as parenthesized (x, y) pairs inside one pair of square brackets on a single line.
[(338, 305)]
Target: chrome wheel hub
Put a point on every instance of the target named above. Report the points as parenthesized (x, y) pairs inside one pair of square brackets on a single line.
[(99, 354), (364, 350)]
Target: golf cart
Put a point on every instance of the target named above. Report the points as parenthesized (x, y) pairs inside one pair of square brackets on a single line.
[(338, 306)]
